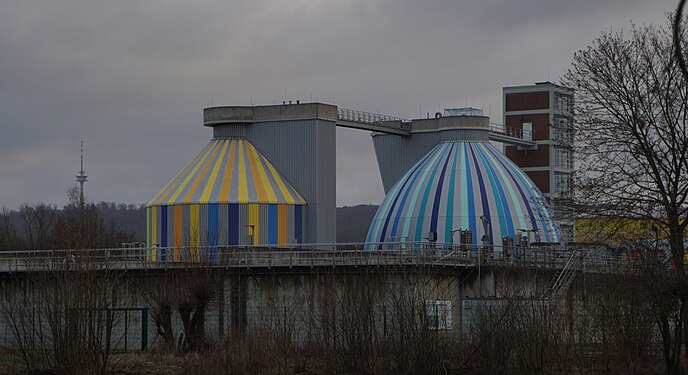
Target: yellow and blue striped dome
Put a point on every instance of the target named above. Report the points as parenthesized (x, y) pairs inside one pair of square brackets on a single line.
[(452, 187), (229, 195), (228, 170)]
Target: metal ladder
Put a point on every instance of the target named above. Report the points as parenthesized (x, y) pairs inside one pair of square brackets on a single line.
[(563, 280)]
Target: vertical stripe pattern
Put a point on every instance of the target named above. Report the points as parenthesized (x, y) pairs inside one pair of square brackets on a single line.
[(451, 188), (184, 227), (228, 170), (229, 195)]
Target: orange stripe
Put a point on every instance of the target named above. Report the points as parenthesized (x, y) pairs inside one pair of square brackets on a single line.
[(260, 190), (177, 232), (281, 224), (199, 178), (171, 186), (227, 179)]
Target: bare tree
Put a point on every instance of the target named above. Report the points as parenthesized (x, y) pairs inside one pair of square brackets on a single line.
[(80, 225), (38, 220), (188, 292), (9, 238), (677, 38), (62, 316), (632, 133)]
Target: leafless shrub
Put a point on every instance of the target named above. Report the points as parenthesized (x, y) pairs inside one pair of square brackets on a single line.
[(62, 318), (187, 291)]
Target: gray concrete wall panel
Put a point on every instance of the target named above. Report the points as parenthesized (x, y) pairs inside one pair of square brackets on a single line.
[(303, 151), (396, 154), (229, 131)]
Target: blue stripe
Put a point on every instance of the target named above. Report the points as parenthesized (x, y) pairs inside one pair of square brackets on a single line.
[(510, 194), (533, 222), (506, 225), (212, 231), (438, 192), (413, 173), (424, 202), (530, 200), (483, 195), (233, 224), (450, 200), (472, 220), (407, 191)]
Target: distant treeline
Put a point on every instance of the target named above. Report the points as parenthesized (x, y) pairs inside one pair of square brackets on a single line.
[(109, 224), (77, 225)]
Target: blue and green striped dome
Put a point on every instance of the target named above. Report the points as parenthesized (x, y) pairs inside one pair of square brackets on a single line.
[(451, 188)]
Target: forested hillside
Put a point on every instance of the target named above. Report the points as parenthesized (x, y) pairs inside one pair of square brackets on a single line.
[(108, 224)]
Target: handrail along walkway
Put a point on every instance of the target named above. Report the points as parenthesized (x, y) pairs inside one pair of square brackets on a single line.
[(302, 255)]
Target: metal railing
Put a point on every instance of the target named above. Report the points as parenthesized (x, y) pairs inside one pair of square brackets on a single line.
[(310, 255), (370, 118), (508, 131)]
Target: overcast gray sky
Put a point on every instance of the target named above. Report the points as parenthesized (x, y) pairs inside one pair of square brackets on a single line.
[(131, 77)]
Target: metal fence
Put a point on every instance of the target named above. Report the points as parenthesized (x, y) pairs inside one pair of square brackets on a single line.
[(509, 131), (311, 255), (363, 117)]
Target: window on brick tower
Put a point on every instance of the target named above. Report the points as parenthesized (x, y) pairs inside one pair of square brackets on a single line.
[(562, 158), (562, 183), (562, 130), (563, 103)]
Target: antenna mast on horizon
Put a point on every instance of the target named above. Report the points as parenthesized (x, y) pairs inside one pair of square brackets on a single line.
[(81, 177)]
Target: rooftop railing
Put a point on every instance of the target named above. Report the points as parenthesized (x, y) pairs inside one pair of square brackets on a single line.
[(508, 131), (370, 118)]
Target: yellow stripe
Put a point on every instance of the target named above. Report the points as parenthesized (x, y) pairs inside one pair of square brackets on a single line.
[(194, 231), (197, 182), (154, 233), (289, 199), (188, 177), (149, 227), (243, 188), (205, 196), (253, 219), (257, 183), (263, 177), (184, 173), (227, 179), (165, 192), (178, 235)]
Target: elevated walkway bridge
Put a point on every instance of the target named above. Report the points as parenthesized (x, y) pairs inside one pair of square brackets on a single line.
[(350, 118)]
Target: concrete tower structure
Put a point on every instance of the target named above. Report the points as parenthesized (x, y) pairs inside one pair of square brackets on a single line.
[(545, 110), (299, 140), (81, 177), (267, 177)]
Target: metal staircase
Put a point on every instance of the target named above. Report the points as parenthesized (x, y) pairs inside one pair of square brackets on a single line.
[(562, 281)]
